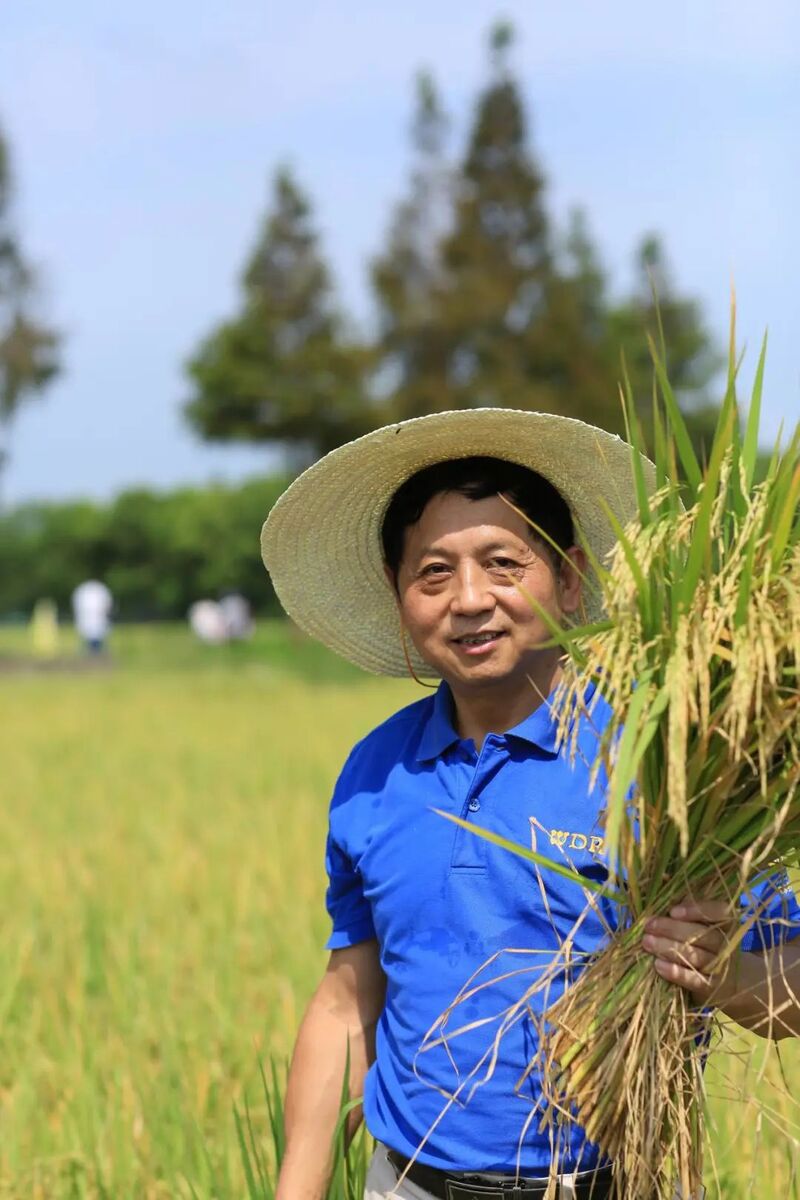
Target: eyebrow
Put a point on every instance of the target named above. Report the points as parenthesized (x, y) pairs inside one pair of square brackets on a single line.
[(487, 549)]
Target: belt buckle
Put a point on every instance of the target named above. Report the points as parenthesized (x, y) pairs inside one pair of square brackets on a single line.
[(455, 1190)]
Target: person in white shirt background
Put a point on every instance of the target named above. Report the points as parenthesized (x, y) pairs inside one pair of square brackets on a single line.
[(92, 603)]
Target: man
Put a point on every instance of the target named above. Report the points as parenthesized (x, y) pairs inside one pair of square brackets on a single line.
[(418, 548)]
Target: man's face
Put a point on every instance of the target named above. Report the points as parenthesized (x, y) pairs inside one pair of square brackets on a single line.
[(467, 568)]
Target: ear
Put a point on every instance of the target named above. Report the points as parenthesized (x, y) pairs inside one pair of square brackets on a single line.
[(570, 577)]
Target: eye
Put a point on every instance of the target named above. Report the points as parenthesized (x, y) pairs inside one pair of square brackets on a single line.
[(434, 570), (505, 564)]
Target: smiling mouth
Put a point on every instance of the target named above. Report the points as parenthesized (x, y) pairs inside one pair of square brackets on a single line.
[(479, 639)]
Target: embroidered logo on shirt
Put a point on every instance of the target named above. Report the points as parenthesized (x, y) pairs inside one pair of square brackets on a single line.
[(568, 839)]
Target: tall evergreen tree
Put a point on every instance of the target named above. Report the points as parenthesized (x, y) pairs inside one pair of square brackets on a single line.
[(411, 351), (504, 311), (519, 331), (497, 259), (480, 302), (282, 370), (28, 348)]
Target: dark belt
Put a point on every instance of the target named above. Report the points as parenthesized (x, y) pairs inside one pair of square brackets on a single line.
[(461, 1185)]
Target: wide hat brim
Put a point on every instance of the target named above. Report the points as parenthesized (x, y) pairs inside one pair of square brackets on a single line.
[(321, 543)]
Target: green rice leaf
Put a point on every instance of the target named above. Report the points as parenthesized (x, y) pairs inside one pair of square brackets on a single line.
[(598, 571), (680, 433), (699, 550), (662, 341), (636, 443), (750, 444), (787, 518), (532, 856), (578, 633), (659, 443), (732, 365), (273, 1098), (252, 1187), (628, 757), (775, 457)]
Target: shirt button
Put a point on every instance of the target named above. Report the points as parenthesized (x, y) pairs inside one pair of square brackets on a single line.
[(474, 805)]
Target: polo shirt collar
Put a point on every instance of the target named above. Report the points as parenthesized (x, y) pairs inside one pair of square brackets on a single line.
[(539, 728), (439, 732)]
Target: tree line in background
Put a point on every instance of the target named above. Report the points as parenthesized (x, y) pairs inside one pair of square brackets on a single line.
[(481, 298), (156, 552)]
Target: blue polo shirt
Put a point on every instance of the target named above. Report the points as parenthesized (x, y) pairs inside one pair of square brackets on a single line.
[(464, 927)]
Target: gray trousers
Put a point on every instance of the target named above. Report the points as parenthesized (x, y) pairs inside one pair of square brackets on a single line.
[(382, 1181)]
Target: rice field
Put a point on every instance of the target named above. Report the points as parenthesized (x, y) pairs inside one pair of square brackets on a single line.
[(161, 897)]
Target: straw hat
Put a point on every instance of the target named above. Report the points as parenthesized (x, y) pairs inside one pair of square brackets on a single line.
[(321, 542)]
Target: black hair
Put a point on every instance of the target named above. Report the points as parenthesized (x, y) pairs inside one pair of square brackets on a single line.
[(477, 478)]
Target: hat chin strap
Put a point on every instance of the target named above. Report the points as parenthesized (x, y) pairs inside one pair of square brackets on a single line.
[(409, 664)]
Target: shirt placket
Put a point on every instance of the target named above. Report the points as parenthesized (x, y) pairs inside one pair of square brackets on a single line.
[(469, 851)]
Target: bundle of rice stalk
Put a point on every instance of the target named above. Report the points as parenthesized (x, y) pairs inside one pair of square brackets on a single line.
[(698, 660)]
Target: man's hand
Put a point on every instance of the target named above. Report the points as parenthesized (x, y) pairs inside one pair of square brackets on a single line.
[(758, 989), (686, 946)]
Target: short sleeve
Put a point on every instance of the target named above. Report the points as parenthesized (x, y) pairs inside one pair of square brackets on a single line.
[(347, 906), (777, 913)]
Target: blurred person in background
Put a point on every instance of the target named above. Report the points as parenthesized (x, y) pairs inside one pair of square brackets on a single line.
[(207, 622), (92, 604), (237, 616), (44, 628)]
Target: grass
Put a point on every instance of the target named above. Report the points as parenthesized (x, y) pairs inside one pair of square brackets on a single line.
[(161, 893), (161, 900)]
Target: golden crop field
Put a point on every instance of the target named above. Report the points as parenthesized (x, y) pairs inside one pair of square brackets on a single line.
[(161, 896)]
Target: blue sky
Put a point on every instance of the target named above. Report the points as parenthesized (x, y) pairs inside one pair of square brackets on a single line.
[(144, 137)]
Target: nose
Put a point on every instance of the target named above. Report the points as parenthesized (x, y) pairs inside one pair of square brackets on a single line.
[(471, 594)]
